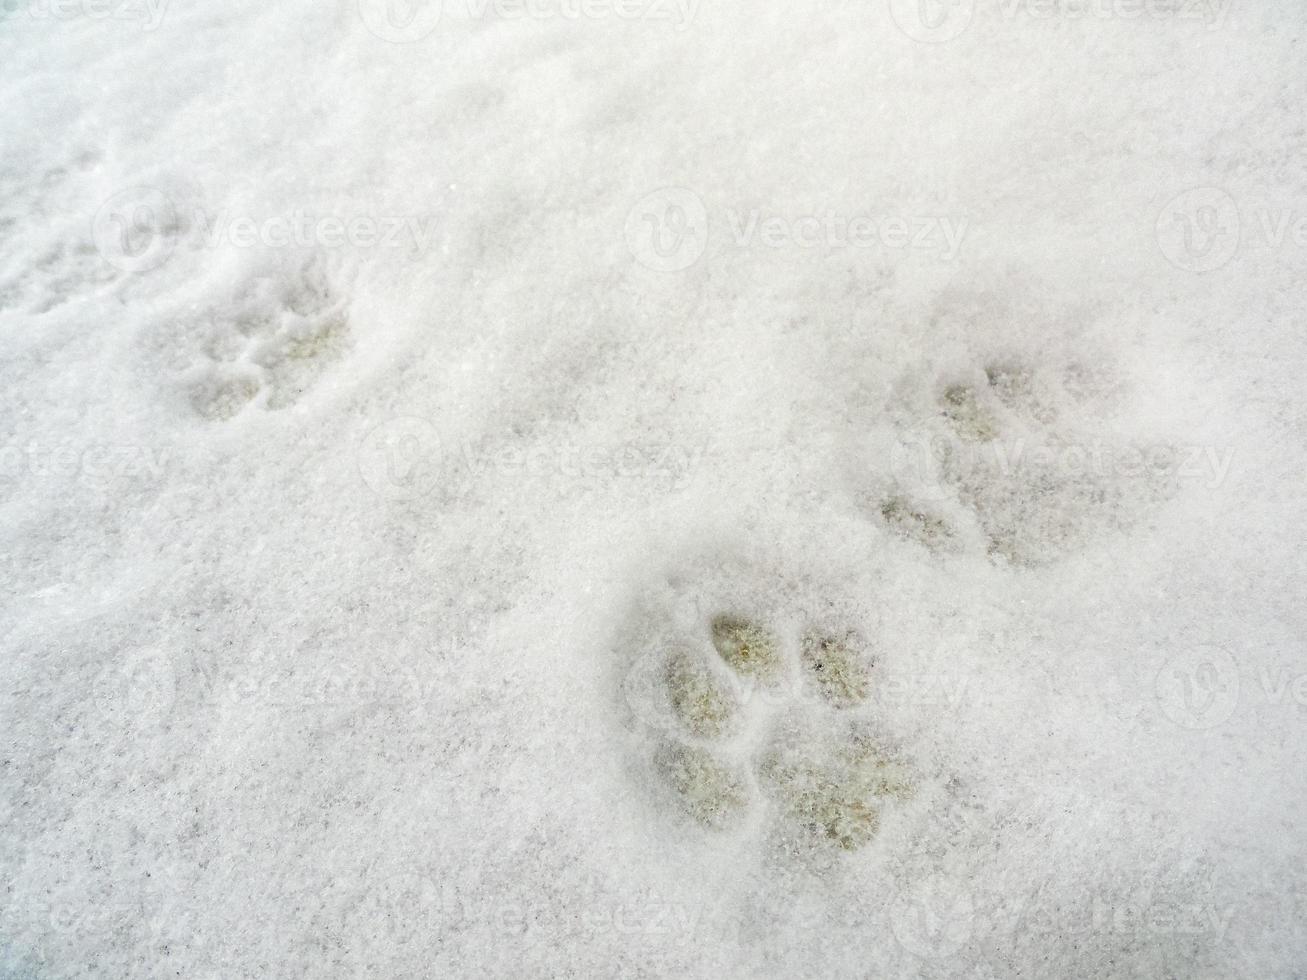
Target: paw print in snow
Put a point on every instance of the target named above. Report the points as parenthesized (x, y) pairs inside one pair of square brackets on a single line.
[(1037, 486), (758, 726), (282, 338)]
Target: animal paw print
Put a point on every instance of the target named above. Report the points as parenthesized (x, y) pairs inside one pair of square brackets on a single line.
[(283, 336), (762, 727), (1036, 486), (61, 262)]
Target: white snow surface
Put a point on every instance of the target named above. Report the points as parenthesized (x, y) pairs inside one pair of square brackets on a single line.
[(337, 565)]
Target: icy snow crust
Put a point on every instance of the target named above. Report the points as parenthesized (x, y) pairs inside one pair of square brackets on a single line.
[(382, 609)]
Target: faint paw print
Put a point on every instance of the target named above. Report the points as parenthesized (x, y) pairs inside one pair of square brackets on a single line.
[(276, 346), (932, 21), (1037, 488), (400, 21), (667, 231), (1198, 231), (1199, 688)]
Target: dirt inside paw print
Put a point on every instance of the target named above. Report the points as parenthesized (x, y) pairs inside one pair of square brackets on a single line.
[(1039, 486), (1015, 385), (711, 791), (289, 332), (703, 702), (748, 648), (970, 419), (834, 791), (840, 667), (913, 523)]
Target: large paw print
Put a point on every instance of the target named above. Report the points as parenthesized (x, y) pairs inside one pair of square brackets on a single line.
[(774, 727), (282, 336), (1037, 485)]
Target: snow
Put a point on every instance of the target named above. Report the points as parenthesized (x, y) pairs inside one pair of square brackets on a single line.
[(389, 392)]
